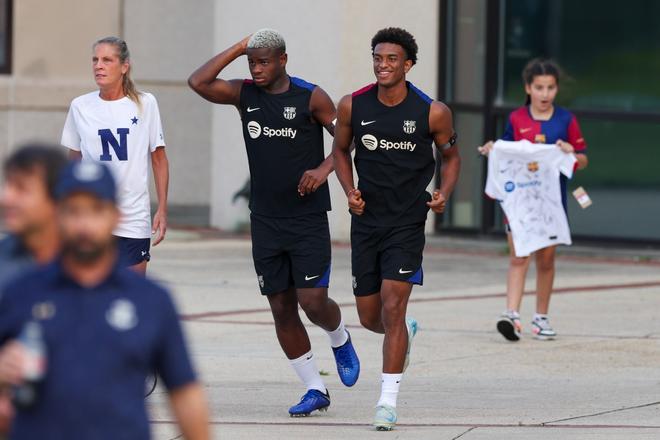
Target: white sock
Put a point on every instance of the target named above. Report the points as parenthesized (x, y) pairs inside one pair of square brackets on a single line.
[(339, 336), (305, 368), (539, 316), (389, 389)]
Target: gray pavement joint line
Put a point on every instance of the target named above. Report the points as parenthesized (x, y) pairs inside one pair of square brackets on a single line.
[(464, 432), (588, 257), (625, 408), (416, 425), (632, 260), (649, 336), (560, 290)]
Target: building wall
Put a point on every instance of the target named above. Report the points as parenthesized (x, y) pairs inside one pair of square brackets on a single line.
[(328, 44), (167, 39), (52, 65)]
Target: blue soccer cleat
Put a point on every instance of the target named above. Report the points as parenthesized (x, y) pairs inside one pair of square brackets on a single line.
[(348, 364), (312, 400)]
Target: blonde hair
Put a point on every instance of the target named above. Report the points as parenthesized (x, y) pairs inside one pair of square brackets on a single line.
[(267, 39), (124, 57)]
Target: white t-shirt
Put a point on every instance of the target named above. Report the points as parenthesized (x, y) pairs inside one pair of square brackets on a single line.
[(524, 177), (118, 134)]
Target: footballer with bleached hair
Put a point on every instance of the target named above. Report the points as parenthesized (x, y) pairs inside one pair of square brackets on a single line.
[(283, 118), (267, 39)]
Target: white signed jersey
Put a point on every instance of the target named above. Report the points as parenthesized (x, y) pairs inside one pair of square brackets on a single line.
[(122, 136), (524, 177)]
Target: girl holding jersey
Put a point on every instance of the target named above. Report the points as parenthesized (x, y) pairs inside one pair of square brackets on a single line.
[(539, 121)]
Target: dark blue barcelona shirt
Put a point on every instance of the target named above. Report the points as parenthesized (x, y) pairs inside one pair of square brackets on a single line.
[(101, 344)]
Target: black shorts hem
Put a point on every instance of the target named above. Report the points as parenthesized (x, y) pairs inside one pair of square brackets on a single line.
[(133, 251), (271, 292), (417, 279), (363, 294)]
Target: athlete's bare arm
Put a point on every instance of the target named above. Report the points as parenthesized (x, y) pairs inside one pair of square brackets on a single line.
[(323, 109), (442, 128), (205, 80), (324, 112), (341, 153), (161, 169)]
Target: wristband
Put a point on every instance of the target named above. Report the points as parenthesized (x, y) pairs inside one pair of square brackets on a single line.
[(451, 142)]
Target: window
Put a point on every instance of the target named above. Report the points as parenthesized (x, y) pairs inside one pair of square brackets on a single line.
[(610, 52), (464, 92), (5, 35), (622, 179), (611, 56)]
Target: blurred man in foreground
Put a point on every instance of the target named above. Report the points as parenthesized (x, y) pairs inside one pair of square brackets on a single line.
[(103, 328), (28, 207)]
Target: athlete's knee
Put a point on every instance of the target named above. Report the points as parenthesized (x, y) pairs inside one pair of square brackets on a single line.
[(370, 320), (285, 317), (370, 311), (284, 308), (313, 303), (394, 312)]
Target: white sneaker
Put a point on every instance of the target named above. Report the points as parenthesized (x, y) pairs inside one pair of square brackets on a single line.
[(385, 418), (542, 329)]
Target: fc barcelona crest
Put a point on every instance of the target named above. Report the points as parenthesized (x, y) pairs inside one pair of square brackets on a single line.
[(409, 127), (289, 112), (533, 167)]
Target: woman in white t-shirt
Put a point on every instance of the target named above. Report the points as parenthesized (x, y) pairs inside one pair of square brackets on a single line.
[(121, 126)]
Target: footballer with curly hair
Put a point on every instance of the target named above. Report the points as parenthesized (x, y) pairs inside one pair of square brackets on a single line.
[(394, 126)]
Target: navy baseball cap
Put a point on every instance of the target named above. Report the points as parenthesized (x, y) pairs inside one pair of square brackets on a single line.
[(88, 177)]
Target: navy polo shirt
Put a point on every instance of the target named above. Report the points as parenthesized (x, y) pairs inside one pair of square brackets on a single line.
[(14, 259), (101, 344)]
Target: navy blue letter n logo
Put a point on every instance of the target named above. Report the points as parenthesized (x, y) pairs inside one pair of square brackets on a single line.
[(109, 140)]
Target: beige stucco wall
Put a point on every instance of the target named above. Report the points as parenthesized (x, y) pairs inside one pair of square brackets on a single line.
[(52, 65), (328, 44)]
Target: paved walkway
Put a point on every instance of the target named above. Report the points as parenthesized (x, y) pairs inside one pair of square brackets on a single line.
[(599, 380)]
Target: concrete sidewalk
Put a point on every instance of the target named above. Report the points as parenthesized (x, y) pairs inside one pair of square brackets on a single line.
[(599, 379)]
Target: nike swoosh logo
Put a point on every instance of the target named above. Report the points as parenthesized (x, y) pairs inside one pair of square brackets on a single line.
[(525, 130), (311, 278), (250, 110), (401, 271), (363, 123)]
